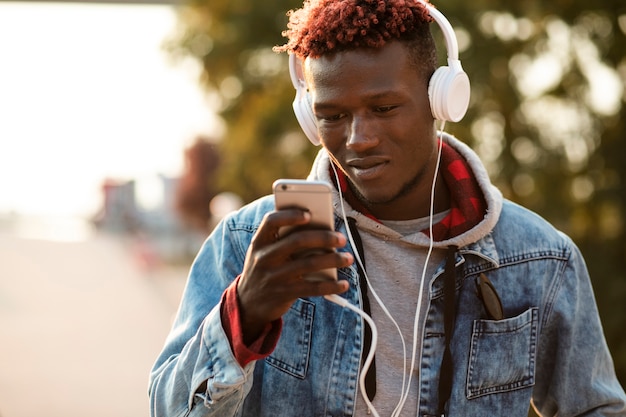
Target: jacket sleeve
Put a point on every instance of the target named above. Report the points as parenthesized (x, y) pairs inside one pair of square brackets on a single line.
[(196, 373), (575, 371)]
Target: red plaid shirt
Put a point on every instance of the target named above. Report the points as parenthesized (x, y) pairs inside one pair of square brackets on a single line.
[(467, 207)]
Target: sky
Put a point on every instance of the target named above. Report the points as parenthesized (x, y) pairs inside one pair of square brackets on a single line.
[(87, 93)]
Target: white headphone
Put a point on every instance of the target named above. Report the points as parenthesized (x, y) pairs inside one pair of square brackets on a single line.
[(448, 89)]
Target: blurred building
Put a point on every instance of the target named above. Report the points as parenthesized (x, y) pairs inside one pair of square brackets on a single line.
[(119, 211), (158, 232)]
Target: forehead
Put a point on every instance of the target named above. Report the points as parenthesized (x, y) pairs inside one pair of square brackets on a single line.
[(365, 69)]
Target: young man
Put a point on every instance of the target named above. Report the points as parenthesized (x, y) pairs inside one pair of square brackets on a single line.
[(493, 312)]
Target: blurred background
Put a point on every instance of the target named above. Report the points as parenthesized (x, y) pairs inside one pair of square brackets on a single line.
[(127, 129)]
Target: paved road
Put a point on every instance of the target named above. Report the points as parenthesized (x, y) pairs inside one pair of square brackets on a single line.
[(80, 325)]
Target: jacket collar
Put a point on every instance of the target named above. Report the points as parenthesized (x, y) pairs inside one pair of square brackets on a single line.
[(492, 199)]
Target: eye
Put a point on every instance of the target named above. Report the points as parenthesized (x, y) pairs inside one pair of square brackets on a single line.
[(330, 117), (385, 109)]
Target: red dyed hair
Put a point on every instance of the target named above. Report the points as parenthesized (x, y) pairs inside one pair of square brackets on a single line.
[(322, 27)]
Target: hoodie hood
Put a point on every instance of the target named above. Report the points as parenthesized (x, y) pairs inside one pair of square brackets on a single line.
[(492, 197)]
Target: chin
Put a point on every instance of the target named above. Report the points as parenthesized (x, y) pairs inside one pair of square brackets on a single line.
[(373, 198)]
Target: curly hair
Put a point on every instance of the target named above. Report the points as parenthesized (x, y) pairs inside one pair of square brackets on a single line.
[(323, 27)]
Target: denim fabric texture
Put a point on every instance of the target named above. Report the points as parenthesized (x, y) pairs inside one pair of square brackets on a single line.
[(549, 348)]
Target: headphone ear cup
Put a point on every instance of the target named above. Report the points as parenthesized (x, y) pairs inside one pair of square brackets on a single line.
[(449, 93), (302, 102), (304, 114)]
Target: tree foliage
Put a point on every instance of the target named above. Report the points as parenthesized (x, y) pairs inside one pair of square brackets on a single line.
[(547, 113), (233, 40)]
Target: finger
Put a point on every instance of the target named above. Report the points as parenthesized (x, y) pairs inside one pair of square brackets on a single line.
[(304, 288), (304, 239), (271, 224), (315, 262), (268, 298), (286, 277)]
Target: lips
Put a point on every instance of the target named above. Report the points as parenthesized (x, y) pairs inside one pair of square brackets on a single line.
[(368, 168)]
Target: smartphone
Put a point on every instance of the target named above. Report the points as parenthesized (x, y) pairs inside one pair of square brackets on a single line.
[(316, 198)]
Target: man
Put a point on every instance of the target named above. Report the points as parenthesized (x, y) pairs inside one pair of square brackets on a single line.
[(493, 312)]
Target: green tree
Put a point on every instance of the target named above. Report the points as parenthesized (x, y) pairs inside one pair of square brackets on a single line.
[(546, 116), (233, 40)]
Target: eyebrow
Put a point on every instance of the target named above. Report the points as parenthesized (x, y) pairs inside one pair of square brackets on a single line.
[(376, 96)]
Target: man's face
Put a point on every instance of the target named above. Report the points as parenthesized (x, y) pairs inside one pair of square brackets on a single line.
[(374, 119)]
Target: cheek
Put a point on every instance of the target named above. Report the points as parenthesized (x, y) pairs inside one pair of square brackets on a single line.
[(332, 138), (335, 155), (418, 145)]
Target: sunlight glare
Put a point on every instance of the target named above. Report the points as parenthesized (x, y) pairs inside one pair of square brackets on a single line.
[(88, 93)]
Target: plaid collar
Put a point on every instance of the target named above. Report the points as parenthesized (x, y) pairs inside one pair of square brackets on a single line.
[(467, 207)]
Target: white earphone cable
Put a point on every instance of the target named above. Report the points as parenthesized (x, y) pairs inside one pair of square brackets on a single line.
[(378, 300), (405, 394), (370, 357), (344, 303)]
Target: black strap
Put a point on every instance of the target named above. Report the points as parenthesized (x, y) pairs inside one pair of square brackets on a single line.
[(449, 299), (370, 377)]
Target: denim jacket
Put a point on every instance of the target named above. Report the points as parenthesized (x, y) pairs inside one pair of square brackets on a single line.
[(548, 349)]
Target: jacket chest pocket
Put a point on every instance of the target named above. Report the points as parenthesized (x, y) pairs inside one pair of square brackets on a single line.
[(502, 354), (292, 351)]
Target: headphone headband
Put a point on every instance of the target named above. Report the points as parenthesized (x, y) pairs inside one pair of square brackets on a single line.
[(452, 46), (448, 89)]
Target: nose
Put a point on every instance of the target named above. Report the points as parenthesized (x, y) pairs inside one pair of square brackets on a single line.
[(361, 135)]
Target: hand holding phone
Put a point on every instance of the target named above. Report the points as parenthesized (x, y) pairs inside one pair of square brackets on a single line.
[(314, 197)]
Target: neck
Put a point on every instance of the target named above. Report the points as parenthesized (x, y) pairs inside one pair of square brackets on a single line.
[(413, 205)]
